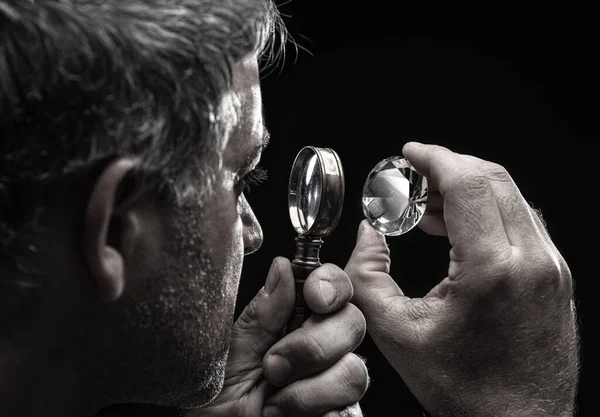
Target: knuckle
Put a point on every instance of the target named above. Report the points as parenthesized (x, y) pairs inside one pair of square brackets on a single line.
[(247, 322), (316, 351), (496, 172), (356, 324), (565, 272), (249, 317), (356, 376), (545, 270), (295, 402), (418, 325), (472, 183), (550, 268), (373, 258)]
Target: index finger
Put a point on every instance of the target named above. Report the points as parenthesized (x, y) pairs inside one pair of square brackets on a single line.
[(327, 289), (473, 220)]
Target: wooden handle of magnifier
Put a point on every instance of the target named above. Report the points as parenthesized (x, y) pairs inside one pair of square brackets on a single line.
[(305, 261)]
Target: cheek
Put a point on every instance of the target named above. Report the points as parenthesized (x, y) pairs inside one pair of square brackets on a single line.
[(234, 257), (208, 289), (228, 249)]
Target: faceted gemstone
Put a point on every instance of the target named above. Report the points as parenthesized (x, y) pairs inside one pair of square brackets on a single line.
[(394, 196)]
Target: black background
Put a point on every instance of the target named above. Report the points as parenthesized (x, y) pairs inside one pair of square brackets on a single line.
[(513, 83)]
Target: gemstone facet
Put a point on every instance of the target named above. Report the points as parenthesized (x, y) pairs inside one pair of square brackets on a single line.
[(394, 196)]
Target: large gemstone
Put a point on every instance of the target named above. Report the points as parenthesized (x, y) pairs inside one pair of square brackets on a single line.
[(394, 196)]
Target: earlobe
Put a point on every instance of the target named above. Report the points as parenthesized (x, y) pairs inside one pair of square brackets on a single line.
[(106, 259), (111, 276)]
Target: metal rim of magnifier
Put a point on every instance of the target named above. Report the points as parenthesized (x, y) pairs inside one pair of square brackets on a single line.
[(332, 191)]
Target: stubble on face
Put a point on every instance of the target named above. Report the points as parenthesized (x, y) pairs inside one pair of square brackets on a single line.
[(181, 320)]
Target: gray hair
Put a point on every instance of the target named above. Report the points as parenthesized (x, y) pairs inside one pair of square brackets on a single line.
[(85, 81)]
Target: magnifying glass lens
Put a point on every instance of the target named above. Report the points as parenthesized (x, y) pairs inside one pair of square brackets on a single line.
[(315, 199), (310, 192), (315, 191), (394, 196)]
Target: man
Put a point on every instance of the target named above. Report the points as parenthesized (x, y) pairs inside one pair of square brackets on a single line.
[(129, 131)]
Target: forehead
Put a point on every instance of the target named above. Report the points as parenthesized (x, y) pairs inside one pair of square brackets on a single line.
[(249, 132), (246, 74)]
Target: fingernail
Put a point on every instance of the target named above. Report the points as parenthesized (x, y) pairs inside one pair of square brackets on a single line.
[(327, 292), (271, 411), (272, 278), (279, 369)]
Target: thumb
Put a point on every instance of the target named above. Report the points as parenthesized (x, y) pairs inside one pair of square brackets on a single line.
[(263, 321), (374, 289), (369, 268), (394, 321)]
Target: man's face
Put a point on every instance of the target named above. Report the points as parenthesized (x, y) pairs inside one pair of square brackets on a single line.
[(183, 315)]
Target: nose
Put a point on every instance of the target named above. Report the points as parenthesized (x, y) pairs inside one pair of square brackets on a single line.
[(252, 232)]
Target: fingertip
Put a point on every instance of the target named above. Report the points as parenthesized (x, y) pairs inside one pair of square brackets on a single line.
[(281, 262), (277, 295), (369, 266), (277, 369), (364, 227), (424, 158), (369, 236), (284, 270), (327, 289), (411, 147)]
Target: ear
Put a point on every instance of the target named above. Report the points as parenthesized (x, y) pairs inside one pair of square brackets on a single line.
[(110, 228)]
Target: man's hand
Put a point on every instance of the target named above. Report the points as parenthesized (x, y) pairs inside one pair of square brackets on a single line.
[(309, 372), (497, 336)]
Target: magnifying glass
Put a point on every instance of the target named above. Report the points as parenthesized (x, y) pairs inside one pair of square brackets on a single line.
[(315, 199), (394, 199)]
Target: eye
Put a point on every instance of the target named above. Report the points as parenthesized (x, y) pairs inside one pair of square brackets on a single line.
[(257, 176)]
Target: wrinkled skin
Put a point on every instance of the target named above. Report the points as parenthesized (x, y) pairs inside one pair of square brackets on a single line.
[(497, 336), (308, 372)]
